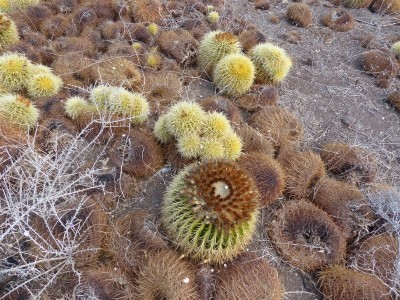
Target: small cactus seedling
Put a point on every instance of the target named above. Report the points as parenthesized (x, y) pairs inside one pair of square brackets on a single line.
[(213, 17), (153, 60), (234, 74), (271, 62), (14, 71), (214, 46), (152, 28), (42, 82), (210, 211), (19, 110), (8, 32)]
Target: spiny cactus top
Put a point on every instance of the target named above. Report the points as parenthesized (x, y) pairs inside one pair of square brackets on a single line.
[(234, 74), (210, 210), (271, 62), (214, 46)]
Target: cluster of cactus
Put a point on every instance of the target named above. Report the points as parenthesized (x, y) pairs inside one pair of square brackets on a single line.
[(198, 134), (220, 55), (19, 74), (117, 100), (19, 110)]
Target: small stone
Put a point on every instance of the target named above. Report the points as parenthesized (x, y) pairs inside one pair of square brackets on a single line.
[(348, 121), (186, 280)]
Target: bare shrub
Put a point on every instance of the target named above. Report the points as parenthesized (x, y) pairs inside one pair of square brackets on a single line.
[(48, 221)]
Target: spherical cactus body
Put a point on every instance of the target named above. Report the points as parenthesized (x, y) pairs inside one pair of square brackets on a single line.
[(190, 145), (42, 82), (19, 110), (100, 95), (271, 62), (160, 130), (233, 145), (153, 29), (8, 32), (210, 211), (213, 17), (185, 117), (234, 74), (132, 105), (14, 71), (77, 106), (214, 46)]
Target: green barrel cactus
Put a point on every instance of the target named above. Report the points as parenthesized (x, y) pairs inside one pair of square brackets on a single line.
[(210, 211)]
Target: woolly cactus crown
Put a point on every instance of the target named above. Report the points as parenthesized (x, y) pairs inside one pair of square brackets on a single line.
[(210, 210)]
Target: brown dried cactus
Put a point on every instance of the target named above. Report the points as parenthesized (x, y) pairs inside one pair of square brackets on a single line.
[(267, 173), (339, 283), (248, 278), (306, 236), (164, 274), (279, 125), (335, 197), (338, 19), (137, 153), (353, 164), (303, 172)]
